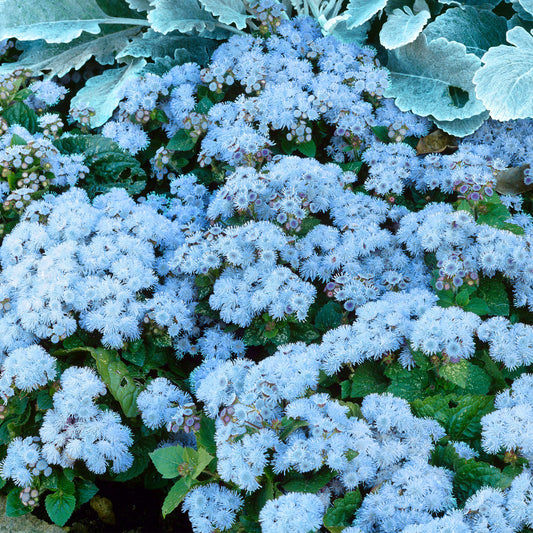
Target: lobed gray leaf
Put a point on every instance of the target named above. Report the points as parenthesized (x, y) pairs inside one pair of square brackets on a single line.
[(477, 30), (505, 81), (228, 11), (425, 75), (182, 15), (103, 92), (402, 27), (58, 59)]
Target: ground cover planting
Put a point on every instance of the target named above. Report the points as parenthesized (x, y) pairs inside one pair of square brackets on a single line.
[(271, 262)]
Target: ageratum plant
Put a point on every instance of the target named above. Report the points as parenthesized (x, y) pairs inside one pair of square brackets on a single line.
[(283, 304)]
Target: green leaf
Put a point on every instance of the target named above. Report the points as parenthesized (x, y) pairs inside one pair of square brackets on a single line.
[(466, 375), (228, 11), (495, 213), (464, 422), (60, 506), (181, 142), (56, 22), (407, 384), (329, 316), (85, 490), (184, 16), (423, 72), (305, 483), (477, 29), (341, 514), (353, 166), (14, 505), (366, 379), (167, 460), (204, 105), (203, 459), (109, 165), (495, 295), (478, 306), (17, 140), (288, 425), (504, 82), (402, 27), (58, 59), (436, 407), (205, 437), (116, 376), (176, 495), (472, 475), (104, 92), (20, 113), (308, 149), (359, 11)]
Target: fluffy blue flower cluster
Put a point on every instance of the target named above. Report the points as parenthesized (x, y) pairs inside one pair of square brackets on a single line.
[(270, 237)]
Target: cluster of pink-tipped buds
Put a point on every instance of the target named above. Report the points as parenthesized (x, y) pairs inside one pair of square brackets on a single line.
[(186, 419), (29, 497), (226, 415), (473, 192)]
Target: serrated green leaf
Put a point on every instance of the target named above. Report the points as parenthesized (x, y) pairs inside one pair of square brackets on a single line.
[(504, 82), (308, 483), (477, 29), (184, 16), (60, 505), (402, 27), (366, 379), (422, 74), (176, 495), (359, 11), (227, 11), (472, 475), (466, 375), (407, 384), (329, 316), (436, 407), (288, 425), (205, 437), (20, 113), (110, 166), (167, 460), (353, 166), (202, 461), (85, 490), (104, 92), (58, 59), (308, 149), (14, 505), (341, 514), (495, 296), (464, 421), (181, 142), (478, 306)]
